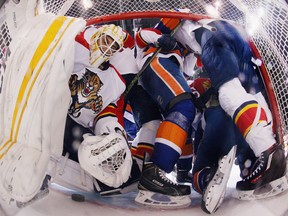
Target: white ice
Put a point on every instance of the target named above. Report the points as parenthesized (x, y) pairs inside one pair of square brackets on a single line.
[(60, 204)]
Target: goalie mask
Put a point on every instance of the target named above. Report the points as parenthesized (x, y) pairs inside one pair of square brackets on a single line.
[(104, 43)]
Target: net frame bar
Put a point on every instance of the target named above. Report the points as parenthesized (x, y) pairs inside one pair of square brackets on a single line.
[(195, 17), (145, 14)]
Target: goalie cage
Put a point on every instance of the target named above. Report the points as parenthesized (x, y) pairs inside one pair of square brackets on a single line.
[(268, 32)]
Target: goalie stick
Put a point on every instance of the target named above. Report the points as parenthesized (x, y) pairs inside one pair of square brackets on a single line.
[(136, 78)]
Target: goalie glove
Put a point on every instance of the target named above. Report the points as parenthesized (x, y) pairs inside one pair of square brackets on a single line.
[(106, 157)]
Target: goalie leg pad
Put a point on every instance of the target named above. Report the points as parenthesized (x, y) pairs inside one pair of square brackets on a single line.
[(22, 174), (107, 158)]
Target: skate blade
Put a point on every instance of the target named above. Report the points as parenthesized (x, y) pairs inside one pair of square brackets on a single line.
[(161, 201), (215, 191), (268, 190)]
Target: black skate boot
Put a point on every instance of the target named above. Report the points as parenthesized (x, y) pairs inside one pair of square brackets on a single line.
[(156, 190), (267, 177), (183, 176)]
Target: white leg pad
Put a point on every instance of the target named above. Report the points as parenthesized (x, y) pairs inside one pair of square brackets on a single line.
[(36, 98)]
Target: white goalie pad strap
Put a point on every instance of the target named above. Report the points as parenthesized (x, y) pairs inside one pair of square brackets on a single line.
[(69, 174), (107, 158)]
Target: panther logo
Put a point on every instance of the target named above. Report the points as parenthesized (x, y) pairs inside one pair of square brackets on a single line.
[(84, 93)]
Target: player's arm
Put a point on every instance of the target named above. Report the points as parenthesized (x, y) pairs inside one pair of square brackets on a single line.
[(154, 37), (128, 41), (147, 36), (167, 25), (112, 115)]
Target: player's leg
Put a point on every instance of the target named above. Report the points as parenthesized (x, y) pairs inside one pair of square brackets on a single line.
[(184, 164), (250, 117), (166, 85), (214, 159), (147, 118)]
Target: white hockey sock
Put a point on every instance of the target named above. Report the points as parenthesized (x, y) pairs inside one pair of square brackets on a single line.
[(231, 96)]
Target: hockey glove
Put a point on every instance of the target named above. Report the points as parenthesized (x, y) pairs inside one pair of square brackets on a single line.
[(166, 42)]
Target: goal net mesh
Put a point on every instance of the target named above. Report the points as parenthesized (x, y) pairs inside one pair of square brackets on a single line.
[(265, 20)]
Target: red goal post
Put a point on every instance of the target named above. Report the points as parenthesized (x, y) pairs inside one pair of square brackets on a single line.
[(146, 15)]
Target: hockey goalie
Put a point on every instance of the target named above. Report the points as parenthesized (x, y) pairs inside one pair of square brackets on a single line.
[(58, 67)]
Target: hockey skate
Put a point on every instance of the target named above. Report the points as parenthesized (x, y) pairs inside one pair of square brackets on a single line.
[(184, 177), (267, 178), (215, 191), (156, 190)]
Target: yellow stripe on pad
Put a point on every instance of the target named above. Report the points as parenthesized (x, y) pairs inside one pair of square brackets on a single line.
[(42, 48)]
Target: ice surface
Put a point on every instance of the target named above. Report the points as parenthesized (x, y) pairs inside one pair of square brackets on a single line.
[(59, 203)]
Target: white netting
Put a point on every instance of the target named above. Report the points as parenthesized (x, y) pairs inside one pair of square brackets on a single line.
[(265, 20), (111, 164)]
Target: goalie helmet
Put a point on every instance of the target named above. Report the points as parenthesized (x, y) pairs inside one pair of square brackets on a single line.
[(104, 43)]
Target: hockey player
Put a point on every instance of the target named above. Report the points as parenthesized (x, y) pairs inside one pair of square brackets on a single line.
[(226, 56), (215, 141), (96, 103), (146, 115), (145, 118), (165, 83)]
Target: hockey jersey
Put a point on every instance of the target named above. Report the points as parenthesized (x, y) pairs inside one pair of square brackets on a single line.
[(95, 93)]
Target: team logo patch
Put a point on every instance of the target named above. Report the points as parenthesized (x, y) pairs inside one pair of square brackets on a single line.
[(84, 93)]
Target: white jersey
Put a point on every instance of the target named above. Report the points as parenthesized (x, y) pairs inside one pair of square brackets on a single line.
[(92, 89), (125, 61), (186, 36), (146, 37)]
